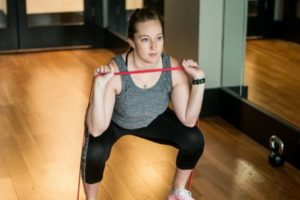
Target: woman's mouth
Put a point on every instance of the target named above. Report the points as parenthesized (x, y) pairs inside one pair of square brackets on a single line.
[(152, 54)]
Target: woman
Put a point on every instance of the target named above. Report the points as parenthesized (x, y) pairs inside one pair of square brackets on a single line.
[(138, 104)]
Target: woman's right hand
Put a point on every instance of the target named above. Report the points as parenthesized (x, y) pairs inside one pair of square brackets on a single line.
[(103, 74)]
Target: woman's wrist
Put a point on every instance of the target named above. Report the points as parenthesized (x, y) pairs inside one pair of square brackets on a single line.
[(198, 81)]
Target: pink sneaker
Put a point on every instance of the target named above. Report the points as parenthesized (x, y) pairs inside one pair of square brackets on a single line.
[(181, 194)]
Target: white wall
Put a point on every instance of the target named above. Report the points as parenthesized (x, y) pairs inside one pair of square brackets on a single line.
[(210, 42), (54, 6), (193, 29), (234, 42)]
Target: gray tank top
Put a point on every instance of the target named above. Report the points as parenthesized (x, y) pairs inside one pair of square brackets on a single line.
[(136, 107)]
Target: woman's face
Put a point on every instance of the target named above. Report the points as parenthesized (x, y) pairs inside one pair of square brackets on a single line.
[(148, 41)]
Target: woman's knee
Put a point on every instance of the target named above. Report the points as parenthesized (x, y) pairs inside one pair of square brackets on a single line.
[(97, 153), (93, 162), (194, 140)]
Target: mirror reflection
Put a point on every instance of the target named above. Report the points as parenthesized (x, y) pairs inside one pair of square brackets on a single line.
[(272, 71), (3, 14), (268, 65)]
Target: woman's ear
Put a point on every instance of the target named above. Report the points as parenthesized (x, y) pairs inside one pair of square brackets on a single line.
[(131, 42)]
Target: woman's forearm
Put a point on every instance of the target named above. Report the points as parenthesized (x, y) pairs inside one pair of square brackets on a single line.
[(95, 117), (194, 104)]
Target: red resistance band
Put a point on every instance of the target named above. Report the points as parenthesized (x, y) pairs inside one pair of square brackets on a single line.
[(145, 71)]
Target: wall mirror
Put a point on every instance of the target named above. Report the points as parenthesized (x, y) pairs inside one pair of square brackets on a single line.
[(261, 51)]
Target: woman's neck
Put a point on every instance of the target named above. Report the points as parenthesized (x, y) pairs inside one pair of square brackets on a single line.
[(139, 64)]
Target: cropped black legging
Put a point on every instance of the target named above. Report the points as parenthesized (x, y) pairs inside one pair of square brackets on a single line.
[(165, 129)]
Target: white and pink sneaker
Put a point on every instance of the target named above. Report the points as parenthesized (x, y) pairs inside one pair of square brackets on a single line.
[(180, 194)]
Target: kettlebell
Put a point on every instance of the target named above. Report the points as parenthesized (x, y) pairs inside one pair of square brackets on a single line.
[(276, 156)]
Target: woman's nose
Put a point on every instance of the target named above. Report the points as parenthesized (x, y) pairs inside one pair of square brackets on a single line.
[(153, 44)]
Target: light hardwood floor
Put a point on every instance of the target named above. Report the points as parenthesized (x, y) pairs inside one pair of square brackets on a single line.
[(43, 97)]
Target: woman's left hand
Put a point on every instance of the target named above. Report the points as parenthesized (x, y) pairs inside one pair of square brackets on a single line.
[(192, 69)]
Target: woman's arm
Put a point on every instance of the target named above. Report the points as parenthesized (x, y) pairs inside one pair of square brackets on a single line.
[(186, 99), (102, 100)]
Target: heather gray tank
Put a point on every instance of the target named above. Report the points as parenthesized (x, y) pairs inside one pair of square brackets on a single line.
[(136, 107)]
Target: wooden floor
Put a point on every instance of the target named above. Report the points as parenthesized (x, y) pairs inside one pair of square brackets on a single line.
[(43, 97), (272, 74)]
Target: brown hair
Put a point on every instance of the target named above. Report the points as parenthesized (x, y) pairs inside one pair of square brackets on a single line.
[(141, 15)]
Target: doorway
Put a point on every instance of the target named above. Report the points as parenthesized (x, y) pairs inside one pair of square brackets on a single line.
[(274, 19), (34, 24), (260, 17), (292, 20)]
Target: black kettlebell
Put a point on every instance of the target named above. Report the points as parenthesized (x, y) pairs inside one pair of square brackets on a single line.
[(276, 156)]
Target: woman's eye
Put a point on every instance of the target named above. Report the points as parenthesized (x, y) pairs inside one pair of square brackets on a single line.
[(160, 37), (144, 39)]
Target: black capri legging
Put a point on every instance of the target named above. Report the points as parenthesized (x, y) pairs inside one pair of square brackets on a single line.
[(165, 129)]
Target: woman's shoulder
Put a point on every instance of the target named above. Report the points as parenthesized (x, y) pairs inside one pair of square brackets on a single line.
[(174, 62), (115, 82), (118, 58), (113, 63), (178, 76)]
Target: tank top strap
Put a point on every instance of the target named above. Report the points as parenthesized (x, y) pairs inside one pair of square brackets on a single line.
[(120, 63), (166, 60), (167, 75), (125, 80)]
